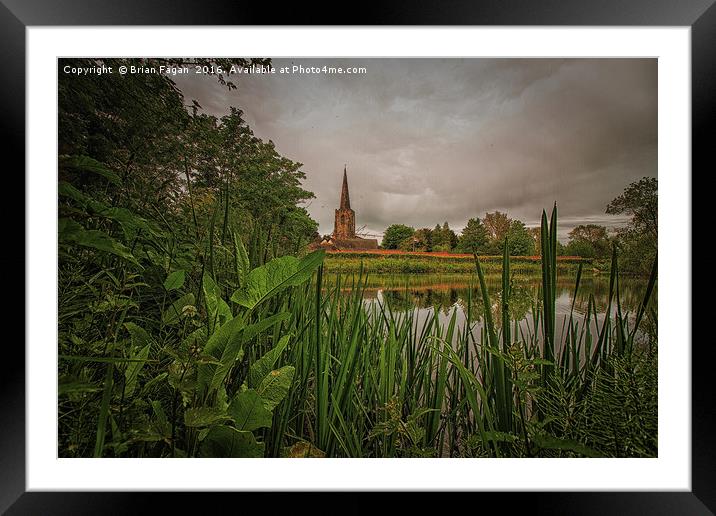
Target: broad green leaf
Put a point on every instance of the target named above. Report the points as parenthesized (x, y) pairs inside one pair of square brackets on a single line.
[(87, 164), (275, 276), (151, 383), (249, 412), (175, 280), (216, 308), (162, 425), (233, 353), (174, 313), (133, 368), (224, 345), (264, 365), (253, 330), (159, 412), (65, 189), (131, 223), (204, 416), (70, 231), (275, 386), (203, 433), (225, 441), (141, 343)]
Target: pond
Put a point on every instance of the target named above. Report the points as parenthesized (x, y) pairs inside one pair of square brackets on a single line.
[(424, 294)]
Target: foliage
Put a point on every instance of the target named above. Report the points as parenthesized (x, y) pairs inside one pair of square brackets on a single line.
[(152, 198), (422, 240), (519, 240), (638, 240), (172, 163), (482, 238), (258, 377), (221, 401), (395, 234), (473, 238), (582, 248), (443, 238), (497, 225), (639, 200), (589, 241), (500, 229), (616, 413)]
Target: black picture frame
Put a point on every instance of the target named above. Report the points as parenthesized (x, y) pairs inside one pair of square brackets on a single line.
[(16, 15)]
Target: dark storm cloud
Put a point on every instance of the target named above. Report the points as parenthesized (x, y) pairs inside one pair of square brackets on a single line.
[(434, 140)]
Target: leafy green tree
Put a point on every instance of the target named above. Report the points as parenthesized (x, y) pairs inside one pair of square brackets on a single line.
[(175, 160), (444, 239), (497, 225), (589, 241), (536, 234), (561, 249), (638, 240), (473, 238), (131, 123), (449, 236), (640, 200), (437, 238), (519, 239), (409, 244), (581, 248), (423, 240), (395, 234)]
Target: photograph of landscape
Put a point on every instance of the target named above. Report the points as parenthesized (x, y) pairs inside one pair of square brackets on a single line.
[(357, 258)]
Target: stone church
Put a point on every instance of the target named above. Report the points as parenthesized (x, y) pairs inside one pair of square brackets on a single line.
[(344, 230)]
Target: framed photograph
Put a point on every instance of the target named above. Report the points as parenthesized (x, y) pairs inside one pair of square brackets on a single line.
[(425, 253)]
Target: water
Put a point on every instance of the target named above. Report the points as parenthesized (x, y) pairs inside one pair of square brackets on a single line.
[(427, 293)]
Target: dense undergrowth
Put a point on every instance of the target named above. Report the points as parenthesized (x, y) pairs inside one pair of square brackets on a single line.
[(166, 355)]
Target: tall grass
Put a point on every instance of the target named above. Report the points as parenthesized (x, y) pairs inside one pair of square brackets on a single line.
[(291, 367), (439, 390)]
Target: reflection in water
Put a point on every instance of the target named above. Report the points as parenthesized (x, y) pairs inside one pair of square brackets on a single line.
[(445, 293)]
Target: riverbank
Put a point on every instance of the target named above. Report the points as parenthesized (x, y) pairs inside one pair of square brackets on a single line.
[(401, 262)]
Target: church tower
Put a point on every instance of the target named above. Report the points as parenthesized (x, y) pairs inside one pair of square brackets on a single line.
[(345, 223)]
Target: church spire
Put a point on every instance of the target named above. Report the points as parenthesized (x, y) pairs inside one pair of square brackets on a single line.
[(345, 198)]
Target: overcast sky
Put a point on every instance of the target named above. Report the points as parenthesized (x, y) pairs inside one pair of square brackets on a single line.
[(434, 140)]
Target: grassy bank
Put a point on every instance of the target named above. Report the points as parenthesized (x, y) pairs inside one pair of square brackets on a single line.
[(383, 262)]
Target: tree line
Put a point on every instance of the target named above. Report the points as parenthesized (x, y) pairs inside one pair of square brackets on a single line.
[(637, 240), (482, 236), (175, 164)]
